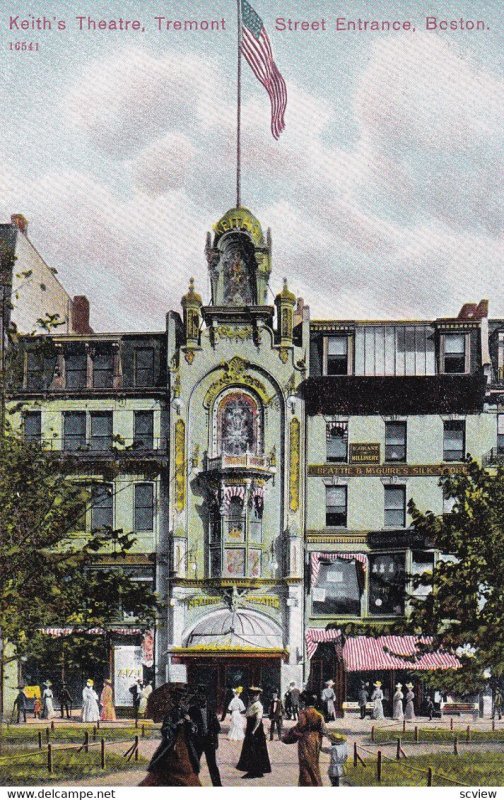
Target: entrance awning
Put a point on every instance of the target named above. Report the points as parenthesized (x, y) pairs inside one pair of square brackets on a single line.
[(366, 653), (239, 628), (314, 636)]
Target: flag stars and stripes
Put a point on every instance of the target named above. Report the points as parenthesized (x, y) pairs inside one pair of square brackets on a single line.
[(256, 47)]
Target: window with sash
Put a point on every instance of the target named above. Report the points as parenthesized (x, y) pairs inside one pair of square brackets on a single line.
[(455, 353), (74, 430), (76, 369), (453, 440), (103, 369), (144, 366), (143, 430), (336, 355), (336, 506), (395, 441), (395, 506), (235, 539), (102, 507), (32, 426), (144, 507), (101, 430), (337, 441)]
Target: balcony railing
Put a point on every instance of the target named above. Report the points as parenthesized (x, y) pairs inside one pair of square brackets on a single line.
[(494, 457), (104, 448), (245, 461)]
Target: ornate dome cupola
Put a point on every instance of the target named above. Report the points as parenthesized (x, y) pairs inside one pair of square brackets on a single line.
[(191, 303), (239, 266)]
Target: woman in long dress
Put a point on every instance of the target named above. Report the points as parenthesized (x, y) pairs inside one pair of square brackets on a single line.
[(409, 710), (107, 702), (144, 697), (308, 733), (90, 710), (397, 707), (377, 698), (254, 758), (176, 760), (328, 699), (48, 711), (236, 708)]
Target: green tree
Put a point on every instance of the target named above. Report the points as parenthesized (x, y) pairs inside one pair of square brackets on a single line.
[(46, 577), (464, 610)]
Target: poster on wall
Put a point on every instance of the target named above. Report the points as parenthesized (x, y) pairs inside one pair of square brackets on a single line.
[(127, 671)]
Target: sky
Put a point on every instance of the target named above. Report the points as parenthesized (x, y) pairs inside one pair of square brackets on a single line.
[(384, 194)]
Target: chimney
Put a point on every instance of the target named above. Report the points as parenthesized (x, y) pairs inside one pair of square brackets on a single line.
[(21, 223), (80, 314)]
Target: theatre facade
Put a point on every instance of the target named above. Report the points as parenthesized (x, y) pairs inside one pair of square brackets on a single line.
[(266, 468)]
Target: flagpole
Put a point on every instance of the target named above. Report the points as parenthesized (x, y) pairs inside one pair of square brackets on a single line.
[(238, 111)]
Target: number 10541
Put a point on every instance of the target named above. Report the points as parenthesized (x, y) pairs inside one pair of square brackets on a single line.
[(23, 45)]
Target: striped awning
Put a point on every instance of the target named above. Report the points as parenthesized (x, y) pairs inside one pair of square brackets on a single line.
[(366, 653), (316, 558), (90, 631), (315, 636)]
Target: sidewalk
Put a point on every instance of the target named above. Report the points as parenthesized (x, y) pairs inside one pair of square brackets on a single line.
[(283, 757)]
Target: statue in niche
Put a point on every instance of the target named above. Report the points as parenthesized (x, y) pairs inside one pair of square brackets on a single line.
[(238, 270), (237, 428)]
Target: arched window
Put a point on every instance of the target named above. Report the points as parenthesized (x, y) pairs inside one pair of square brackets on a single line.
[(238, 424)]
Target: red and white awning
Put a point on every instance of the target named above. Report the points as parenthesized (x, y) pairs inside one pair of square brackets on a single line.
[(366, 653), (56, 632), (314, 636), (316, 558)]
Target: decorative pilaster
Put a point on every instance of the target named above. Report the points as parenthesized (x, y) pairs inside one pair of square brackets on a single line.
[(180, 466), (294, 464)]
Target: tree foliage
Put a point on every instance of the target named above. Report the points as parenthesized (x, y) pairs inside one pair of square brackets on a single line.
[(46, 577), (464, 610)]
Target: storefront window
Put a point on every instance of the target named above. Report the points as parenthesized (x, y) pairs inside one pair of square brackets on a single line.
[(386, 584), (338, 588), (421, 563)]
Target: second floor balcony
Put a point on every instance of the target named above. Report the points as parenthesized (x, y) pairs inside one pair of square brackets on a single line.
[(106, 448), (244, 462)]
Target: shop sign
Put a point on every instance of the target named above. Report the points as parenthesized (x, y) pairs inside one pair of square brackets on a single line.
[(385, 470), (364, 453)]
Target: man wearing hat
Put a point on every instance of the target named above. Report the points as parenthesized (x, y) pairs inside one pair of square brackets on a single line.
[(275, 713), (294, 694), (377, 698), (66, 701), (206, 737), (20, 704), (363, 698), (397, 703), (328, 699)]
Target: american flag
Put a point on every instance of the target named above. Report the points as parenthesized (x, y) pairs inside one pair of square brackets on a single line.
[(256, 48)]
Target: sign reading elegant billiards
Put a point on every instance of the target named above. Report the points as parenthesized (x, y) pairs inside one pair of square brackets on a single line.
[(364, 453)]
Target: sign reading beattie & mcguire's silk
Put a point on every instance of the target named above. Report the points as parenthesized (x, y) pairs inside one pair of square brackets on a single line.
[(384, 470)]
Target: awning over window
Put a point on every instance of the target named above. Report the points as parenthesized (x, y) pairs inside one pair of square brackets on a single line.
[(314, 636), (316, 558), (365, 653)]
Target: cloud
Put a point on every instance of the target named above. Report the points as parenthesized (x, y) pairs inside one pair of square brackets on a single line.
[(404, 222)]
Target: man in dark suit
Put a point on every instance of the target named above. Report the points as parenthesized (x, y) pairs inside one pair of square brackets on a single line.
[(206, 739), (275, 713), (66, 701)]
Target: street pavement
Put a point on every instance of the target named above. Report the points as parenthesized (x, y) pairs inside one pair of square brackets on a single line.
[(283, 757)]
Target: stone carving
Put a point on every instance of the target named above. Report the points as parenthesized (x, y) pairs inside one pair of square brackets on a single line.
[(180, 480)]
